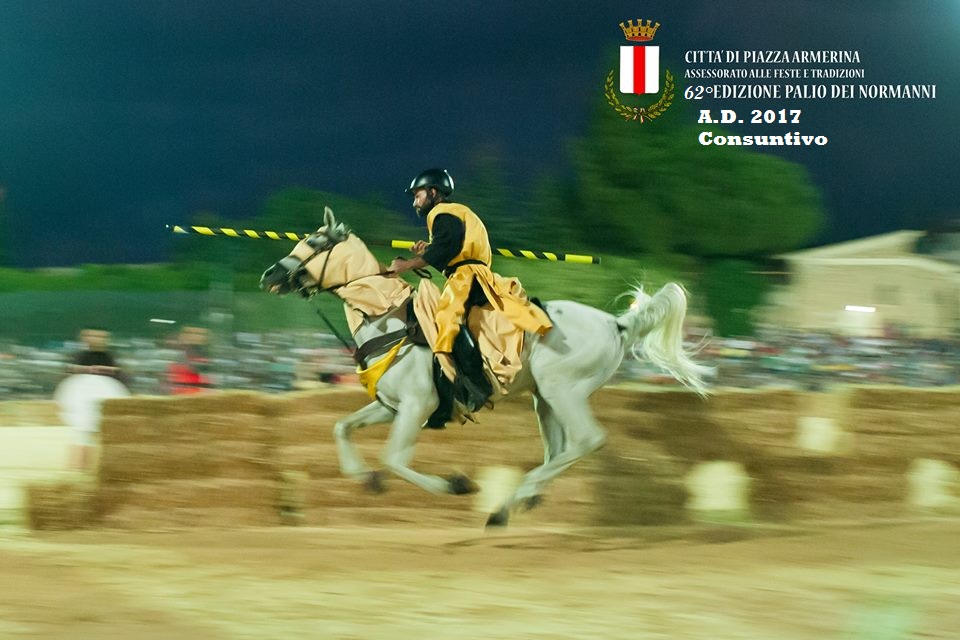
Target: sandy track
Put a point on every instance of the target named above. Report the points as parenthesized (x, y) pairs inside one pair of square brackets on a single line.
[(889, 581)]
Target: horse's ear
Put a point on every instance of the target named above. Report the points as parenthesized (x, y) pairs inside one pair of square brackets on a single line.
[(335, 230)]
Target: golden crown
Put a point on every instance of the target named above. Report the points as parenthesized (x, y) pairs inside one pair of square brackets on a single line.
[(640, 32)]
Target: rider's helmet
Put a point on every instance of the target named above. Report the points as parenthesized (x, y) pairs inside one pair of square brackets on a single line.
[(439, 179)]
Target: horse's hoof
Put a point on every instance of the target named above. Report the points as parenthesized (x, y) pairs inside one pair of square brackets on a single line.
[(374, 483), (461, 485), (499, 518), (531, 502)]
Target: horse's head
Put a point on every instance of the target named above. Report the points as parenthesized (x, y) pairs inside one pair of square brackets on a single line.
[(314, 266), (297, 272)]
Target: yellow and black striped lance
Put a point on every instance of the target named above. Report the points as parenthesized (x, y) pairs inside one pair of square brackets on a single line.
[(529, 254)]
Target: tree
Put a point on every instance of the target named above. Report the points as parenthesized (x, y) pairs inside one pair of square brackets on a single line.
[(296, 209), (553, 206), (490, 191), (5, 258), (654, 188), (733, 289)]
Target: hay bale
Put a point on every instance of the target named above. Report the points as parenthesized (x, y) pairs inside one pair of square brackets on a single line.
[(213, 402), (644, 488), (187, 429), (331, 401), (240, 426), (191, 503), (168, 495), (132, 429), (858, 488), (734, 401), (652, 402), (302, 429), (882, 422), (139, 406), (61, 504), (315, 460), (892, 398), (879, 452), (239, 459), (222, 403), (139, 462), (699, 441), (131, 463)]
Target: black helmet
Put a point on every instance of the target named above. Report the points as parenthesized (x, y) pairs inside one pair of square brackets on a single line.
[(439, 179)]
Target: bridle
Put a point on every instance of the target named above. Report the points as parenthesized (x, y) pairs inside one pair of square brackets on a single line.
[(296, 268), (295, 271)]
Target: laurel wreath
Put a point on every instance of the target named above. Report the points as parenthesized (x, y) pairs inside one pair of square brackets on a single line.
[(640, 113)]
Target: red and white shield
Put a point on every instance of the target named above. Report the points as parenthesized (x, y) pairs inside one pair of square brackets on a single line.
[(639, 69)]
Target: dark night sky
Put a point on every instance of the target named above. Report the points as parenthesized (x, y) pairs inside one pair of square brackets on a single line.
[(118, 116)]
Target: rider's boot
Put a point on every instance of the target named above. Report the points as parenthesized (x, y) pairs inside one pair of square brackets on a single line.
[(445, 360)]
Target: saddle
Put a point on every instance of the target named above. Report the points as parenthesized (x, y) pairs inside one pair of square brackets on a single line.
[(486, 352)]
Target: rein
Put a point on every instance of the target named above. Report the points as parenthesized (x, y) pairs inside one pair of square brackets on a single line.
[(361, 353), (348, 344)]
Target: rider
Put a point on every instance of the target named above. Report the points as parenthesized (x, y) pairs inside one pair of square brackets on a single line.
[(460, 248)]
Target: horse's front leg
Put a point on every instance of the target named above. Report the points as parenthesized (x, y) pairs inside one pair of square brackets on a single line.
[(411, 415), (352, 464)]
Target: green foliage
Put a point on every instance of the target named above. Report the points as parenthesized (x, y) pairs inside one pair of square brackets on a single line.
[(295, 209), (490, 193), (94, 277), (733, 289), (5, 257), (653, 188), (648, 198), (552, 206), (601, 286)]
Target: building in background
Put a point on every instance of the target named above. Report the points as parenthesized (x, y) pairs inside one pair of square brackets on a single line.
[(906, 280)]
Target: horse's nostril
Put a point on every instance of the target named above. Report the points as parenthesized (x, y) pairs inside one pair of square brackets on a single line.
[(266, 280)]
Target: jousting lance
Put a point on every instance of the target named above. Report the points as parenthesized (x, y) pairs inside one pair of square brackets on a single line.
[(553, 256)]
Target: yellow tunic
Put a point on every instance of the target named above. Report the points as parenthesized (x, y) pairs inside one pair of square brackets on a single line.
[(499, 291)]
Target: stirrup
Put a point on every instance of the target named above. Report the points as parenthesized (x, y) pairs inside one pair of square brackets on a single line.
[(447, 366), (462, 413)]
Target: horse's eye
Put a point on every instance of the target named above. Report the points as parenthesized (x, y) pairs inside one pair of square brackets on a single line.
[(318, 242)]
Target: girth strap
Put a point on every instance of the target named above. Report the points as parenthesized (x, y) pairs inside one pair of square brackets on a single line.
[(378, 345)]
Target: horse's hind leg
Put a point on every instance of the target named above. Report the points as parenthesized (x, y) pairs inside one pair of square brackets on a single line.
[(569, 432), (551, 433), (554, 440), (352, 463)]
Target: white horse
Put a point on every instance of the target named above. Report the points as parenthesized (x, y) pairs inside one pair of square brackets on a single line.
[(560, 369)]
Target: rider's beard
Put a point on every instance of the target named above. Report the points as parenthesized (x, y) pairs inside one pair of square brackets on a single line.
[(428, 204)]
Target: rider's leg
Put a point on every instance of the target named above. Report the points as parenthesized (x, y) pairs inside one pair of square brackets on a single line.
[(451, 310)]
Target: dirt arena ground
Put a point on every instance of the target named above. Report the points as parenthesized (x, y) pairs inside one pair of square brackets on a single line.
[(889, 581)]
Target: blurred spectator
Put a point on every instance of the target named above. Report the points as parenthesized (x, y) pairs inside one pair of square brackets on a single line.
[(81, 394), (189, 375), (94, 356), (284, 361)]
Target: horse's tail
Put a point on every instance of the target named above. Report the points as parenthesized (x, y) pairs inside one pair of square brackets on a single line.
[(653, 329)]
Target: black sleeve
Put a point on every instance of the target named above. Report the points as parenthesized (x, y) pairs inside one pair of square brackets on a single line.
[(448, 234), (94, 359)]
